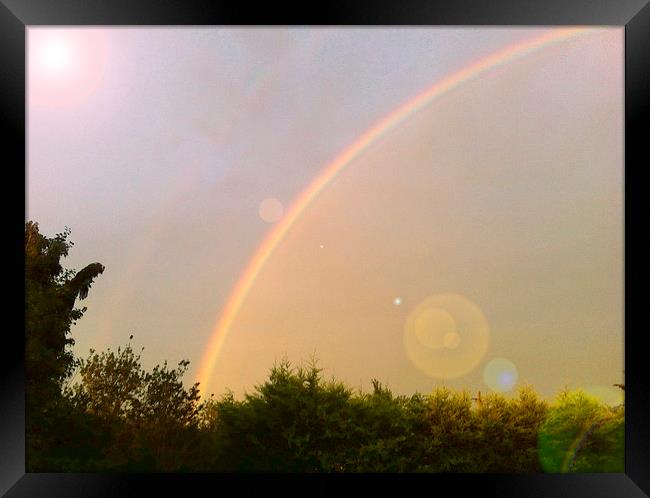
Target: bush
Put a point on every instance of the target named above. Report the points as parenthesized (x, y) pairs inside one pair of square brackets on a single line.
[(581, 434), (294, 422)]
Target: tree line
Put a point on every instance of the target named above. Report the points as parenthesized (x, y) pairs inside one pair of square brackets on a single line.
[(106, 413)]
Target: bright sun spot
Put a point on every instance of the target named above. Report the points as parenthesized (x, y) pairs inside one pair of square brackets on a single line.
[(65, 65), (56, 55)]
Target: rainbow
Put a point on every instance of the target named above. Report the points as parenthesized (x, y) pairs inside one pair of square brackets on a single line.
[(331, 170)]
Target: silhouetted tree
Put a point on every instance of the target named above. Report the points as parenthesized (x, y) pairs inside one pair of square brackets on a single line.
[(152, 421), (50, 294)]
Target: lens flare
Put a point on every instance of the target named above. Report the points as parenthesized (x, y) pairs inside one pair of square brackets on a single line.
[(271, 210), (576, 421), (500, 375), (446, 336)]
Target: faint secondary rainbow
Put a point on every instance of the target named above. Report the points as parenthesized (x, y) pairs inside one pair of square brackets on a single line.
[(331, 170)]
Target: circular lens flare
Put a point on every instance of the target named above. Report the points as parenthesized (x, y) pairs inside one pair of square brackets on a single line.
[(500, 375), (271, 210), (446, 336)]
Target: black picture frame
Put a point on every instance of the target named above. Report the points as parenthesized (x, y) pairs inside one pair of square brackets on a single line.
[(633, 15)]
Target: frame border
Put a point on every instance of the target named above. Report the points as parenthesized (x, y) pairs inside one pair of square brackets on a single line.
[(633, 15)]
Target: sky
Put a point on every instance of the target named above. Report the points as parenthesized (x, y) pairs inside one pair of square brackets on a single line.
[(476, 243)]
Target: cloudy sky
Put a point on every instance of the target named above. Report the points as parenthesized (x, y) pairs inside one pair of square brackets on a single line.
[(477, 243)]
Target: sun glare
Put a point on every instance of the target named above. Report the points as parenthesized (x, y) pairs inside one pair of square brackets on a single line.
[(56, 56), (65, 66)]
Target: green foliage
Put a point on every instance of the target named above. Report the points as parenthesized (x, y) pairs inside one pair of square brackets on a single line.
[(507, 430), (581, 434), (294, 422), (389, 432), (48, 358), (151, 420), (603, 450)]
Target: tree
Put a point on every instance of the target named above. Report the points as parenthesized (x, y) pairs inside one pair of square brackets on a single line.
[(50, 294), (507, 430), (581, 434), (294, 422), (150, 420)]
